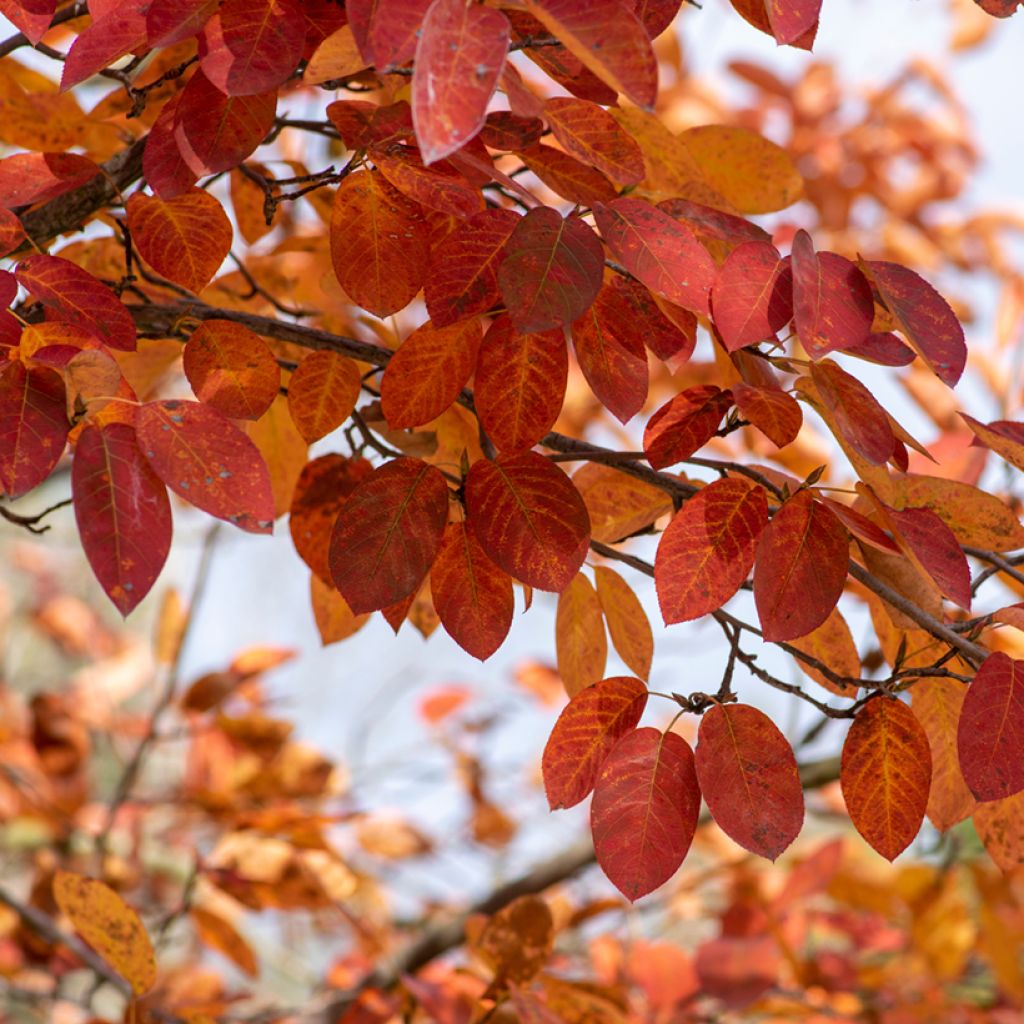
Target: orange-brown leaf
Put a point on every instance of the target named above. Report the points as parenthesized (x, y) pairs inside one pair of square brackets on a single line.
[(592, 135), (322, 392), (581, 646), (627, 621)]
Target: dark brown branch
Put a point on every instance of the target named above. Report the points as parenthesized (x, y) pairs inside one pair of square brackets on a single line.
[(31, 523)]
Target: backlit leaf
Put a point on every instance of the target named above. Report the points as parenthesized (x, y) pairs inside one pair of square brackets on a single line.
[(322, 488), (587, 729), (552, 270), (928, 540), (12, 234), (855, 411), (460, 53), (529, 519), (322, 392), (33, 426), (1000, 826), (283, 449), (752, 298), (218, 933), (685, 424), (472, 595), (31, 17), (111, 35), (748, 776), (831, 644), (122, 512), (580, 642), (801, 568), (386, 33), (645, 808), (428, 372), (990, 732), (608, 39), (774, 412), (791, 19), (435, 188), (184, 239), (231, 368), (588, 132), (335, 621), (205, 459), (618, 504), (610, 351), (750, 173), (172, 21), (923, 316), (252, 46), (627, 621), (1003, 437), (832, 304), (567, 176), (337, 56), (937, 703), (463, 278), (520, 384), (76, 296), (885, 775), (109, 925), (163, 165), (658, 251), (215, 132), (379, 243), (708, 549), (388, 533)]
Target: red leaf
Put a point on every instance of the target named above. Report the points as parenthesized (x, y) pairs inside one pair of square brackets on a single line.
[(379, 243), (990, 736), (566, 176), (709, 224), (232, 369), (463, 278), (774, 412), (12, 234), (110, 36), (436, 188), (552, 270), (934, 545), (428, 372), (832, 304), (668, 331), (588, 132), (122, 512), (924, 318), (858, 416), (322, 392), (792, 19), (322, 488), (252, 46), (208, 461), (508, 132), (388, 534), (184, 239), (1003, 437), (752, 297), (684, 424), (38, 177), (31, 17), (215, 132), (748, 775), (472, 596), (801, 568), (586, 731), (163, 166), (609, 39), (610, 350), (885, 774), (459, 56), (882, 348), (520, 384), (657, 15), (529, 518), (645, 809), (999, 8), (361, 124), (386, 32), (658, 251), (79, 298), (33, 426), (862, 528), (173, 21), (708, 549)]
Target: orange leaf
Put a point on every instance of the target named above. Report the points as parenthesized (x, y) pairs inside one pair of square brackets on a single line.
[(707, 550), (219, 934), (517, 941), (645, 808), (748, 776), (439, 188), (587, 729), (627, 621), (885, 775), (335, 621), (1000, 826), (231, 368), (588, 132), (529, 519), (567, 176), (322, 392), (109, 925), (388, 533), (185, 239), (774, 412), (428, 372), (580, 643), (618, 504), (990, 733), (473, 597), (459, 56), (831, 644), (801, 568), (685, 424)]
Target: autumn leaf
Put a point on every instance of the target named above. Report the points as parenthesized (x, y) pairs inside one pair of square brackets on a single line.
[(773, 411), (322, 393), (685, 424), (33, 426), (628, 627), (581, 646), (752, 295), (588, 132)]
